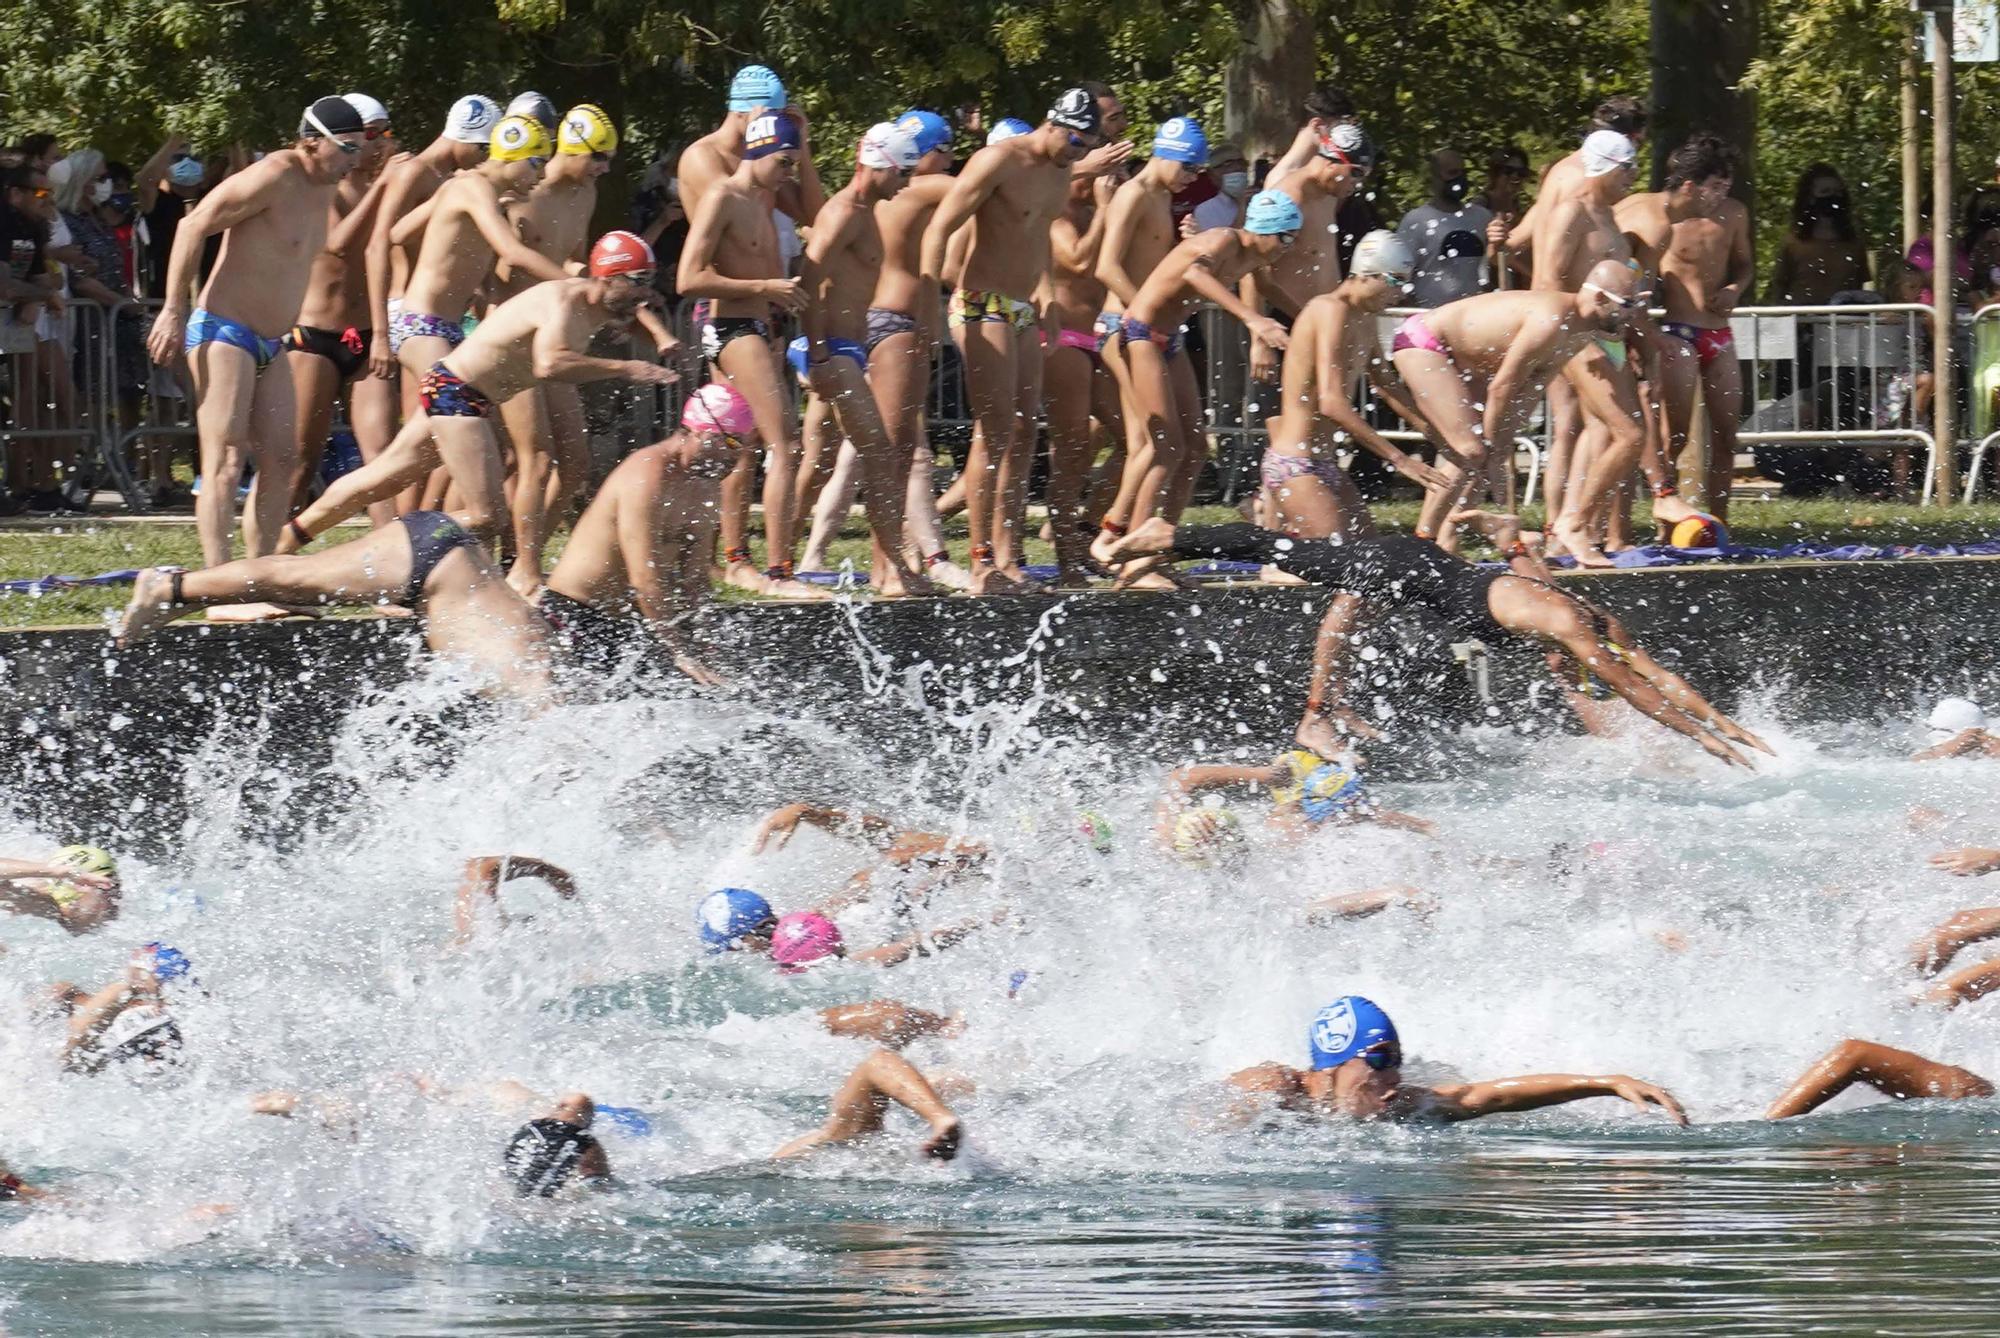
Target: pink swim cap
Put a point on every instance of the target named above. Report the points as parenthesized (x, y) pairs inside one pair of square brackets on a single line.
[(718, 408), (803, 937)]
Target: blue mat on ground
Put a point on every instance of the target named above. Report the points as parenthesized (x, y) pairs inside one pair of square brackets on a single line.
[(42, 585)]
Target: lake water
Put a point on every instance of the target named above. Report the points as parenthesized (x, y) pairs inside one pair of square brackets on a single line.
[(1602, 906)]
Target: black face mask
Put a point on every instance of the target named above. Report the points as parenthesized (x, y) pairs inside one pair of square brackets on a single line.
[(1829, 206), (1455, 188)]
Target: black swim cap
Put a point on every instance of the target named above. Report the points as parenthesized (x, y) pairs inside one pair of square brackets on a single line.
[(1078, 111), (542, 1154), (330, 116)]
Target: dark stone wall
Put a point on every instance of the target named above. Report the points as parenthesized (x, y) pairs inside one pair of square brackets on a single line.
[(1163, 676)]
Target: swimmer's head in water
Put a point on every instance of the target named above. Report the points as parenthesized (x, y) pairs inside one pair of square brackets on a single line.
[(166, 963), (536, 108), (1352, 1027), (1096, 829), (734, 917), (471, 119), (1331, 790), (1209, 838), (802, 938), (1009, 128), (1954, 715), (756, 86), (88, 859)]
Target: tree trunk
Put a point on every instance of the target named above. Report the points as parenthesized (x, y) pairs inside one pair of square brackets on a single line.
[(1270, 76), (1700, 50)]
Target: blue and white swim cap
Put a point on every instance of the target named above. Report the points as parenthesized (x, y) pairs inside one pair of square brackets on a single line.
[(1008, 129), (1181, 141), (1331, 790), (930, 130), (625, 1119), (168, 963), (1346, 1027), (727, 915), (756, 86), (1273, 211)]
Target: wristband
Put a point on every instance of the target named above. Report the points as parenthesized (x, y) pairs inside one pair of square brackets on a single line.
[(1517, 549)]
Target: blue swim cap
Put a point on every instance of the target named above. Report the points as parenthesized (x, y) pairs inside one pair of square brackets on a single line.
[(1273, 211), (1330, 790), (727, 915), (1181, 141), (168, 963), (1346, 1027), (930, 130), (771, 134), (756, 86), (625, 1119), (1007, 129)]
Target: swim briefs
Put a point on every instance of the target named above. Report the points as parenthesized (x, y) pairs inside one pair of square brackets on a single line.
[(445, 394), (205, 327), (974, 306), (421, 325), (346, 349), (433, 536)]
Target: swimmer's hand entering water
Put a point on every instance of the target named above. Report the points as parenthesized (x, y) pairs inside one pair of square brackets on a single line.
[(1968, 861)]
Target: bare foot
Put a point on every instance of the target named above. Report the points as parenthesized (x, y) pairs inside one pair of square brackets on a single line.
[(1018, 574), (944, 1139), (889, 583), (1145, 574), (1276, 576), (1672, 509), (1077, 576), (1576, 541), (795, 589), (394, 611), (814, 562), (249, 613), (525, 579), (949, 575), (745, 577), (988, 579), (150, 608), (1153, 535), (1101, 546)]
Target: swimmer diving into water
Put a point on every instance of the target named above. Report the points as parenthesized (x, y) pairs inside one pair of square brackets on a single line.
[(1486, 605)]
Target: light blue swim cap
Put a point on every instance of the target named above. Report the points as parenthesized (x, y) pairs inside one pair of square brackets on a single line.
[(1346, 1027), (1330, 790), (1007, 129), (756, 86), (930, 130), (1181, 141), (1273, 211), (625, 1119), (727, 915)]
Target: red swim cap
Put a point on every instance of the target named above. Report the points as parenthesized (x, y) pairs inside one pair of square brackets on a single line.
[(620, 253)]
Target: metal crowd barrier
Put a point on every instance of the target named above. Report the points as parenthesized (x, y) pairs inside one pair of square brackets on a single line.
[(78, 347), (1982, 383)]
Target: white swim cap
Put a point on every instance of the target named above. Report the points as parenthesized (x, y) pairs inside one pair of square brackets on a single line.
[(1607, 151), (471, 119), (1955, 715), (888, 145), (369, 109), (1383, 252)]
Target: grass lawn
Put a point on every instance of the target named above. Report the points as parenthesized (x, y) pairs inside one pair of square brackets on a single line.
[(85, 546)]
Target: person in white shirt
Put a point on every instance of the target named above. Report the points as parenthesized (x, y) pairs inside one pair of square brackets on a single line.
[(1447, 234), (1231, 173)]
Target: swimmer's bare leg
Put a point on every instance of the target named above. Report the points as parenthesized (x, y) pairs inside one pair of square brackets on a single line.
[(861, 1102), (888, 1023), (1329, 726), (371, 568), (1892, 1072)]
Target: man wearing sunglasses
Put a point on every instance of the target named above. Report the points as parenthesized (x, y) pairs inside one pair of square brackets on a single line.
[(1010, 191), (545, 422), (541, 335), (327, 347), (1356, 1073), (637, 566), (273, 215)]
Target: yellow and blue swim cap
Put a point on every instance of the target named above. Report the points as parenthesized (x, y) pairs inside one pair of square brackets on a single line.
[(1331, 790), (520, 137)]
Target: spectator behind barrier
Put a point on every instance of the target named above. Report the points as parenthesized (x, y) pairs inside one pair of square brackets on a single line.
[(1825, 252)]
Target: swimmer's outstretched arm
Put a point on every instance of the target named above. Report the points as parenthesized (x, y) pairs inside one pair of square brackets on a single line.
[(1679, 691), (1973, 742), (921, 944), (1934, 951), (1470, 1101), (900, 845), (1361, 905), (1892, 1072), (888, 1023), (1967, 861), (483, 876), (29, 900)]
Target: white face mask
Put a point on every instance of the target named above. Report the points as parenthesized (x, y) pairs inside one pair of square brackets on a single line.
[(1235, 183), (101, 192)]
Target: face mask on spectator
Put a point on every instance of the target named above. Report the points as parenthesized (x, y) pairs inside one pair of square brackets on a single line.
[(185, 173), (1236, 184), (100, 192), (1456, 188)]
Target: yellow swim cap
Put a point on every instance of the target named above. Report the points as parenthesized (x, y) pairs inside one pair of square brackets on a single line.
[(519, 137), (89, 859), (586, 129)]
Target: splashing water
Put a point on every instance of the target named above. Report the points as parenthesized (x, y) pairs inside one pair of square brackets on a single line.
[(1601, 906)]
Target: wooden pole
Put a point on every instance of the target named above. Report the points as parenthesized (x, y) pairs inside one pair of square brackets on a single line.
[(1913, 147), (1945, 402)]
